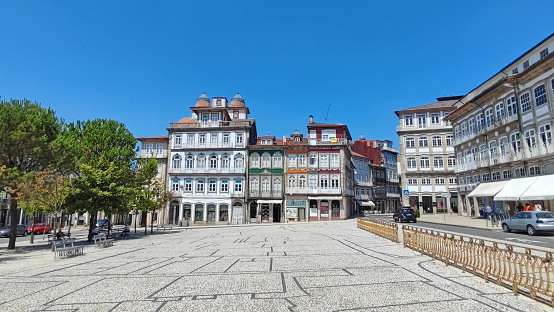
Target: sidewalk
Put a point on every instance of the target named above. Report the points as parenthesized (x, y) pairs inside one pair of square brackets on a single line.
[(454, 219)]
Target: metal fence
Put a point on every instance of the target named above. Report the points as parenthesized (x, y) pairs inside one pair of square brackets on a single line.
[(384, 229), (524, 270)]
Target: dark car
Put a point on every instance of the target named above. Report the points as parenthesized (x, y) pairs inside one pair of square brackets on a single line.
[(21, 230), (404, 214)]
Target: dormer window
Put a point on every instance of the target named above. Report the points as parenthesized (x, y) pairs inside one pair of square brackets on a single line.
[(525, 65), (296, 139), (235, 114), (328, 134), (544, 53), (218, 102)]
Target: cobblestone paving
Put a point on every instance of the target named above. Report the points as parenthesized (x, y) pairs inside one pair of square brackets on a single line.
[(294, 267)]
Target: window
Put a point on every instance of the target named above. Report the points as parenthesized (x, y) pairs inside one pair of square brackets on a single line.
[(530, 138), (534, 170), (492, 149), (544, 53), (277, 160), (469, 180), (328, 134), (212, 186), (239, 161), (507, 174), (438, 162), (313, 159), (324, 182), (213, 138), (177, 140), (495, 176), (471, 125), (335, 181), (489, 117), (519, 172), (190, 138), (464, 129), (255, 160), (514, 71), (175, 185), (236, 115), (409, 120), (201, 139), (449, 139), (254, 186), (277, 185), (266, 160), (238, 185), (525, 65), (302, 181), (176, 161), (226, 139), (201, 163), (451, 181), (410, 142), (486, 177), (334, 159), (313, 182), (412, 181), (434, 118), (503, 145), (540, 95), (324, 160), (266, 186), (426, 181), (421, 121), (239, 138), (439, 181), (424, 162), (437, 141), (499, 109), (525, 102), (461, 181), (292, 160), (188, 185), (200, 186), (213, 161), (516, 143), (411, 162), (457, 132), (224, 186), (159, 148), (225, 161), (292, 180), (423, 141), (218, 102), (480, 122), (511, 106), (451, 161), (302, 159), (545, 133), (149, 148), (189, 162)]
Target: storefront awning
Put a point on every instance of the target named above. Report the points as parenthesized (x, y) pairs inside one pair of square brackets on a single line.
[(325, 197), (513, 190), (542, 189), (488, 189), (269, 201), (368, 204)]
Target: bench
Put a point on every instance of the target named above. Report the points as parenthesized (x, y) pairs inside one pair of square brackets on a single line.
[(62, 249), (101, 241), (164, 227)]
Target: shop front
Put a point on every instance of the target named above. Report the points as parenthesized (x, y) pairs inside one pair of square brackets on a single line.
[(296, 210)]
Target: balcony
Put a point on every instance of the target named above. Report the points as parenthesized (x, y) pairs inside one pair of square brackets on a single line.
[(208, 194), (152, 154), (305, 190), (266, 194), (210, 124), (332, 141), (208, 170), (209, 145), (494, 125)]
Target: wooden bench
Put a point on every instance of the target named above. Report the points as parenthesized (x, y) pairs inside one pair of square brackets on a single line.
[(62, 248), (164, 227), (101, 241)]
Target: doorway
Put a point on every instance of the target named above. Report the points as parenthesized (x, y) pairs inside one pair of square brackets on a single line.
[(276, 212), (253, 212), (265, 212), (236, 217)]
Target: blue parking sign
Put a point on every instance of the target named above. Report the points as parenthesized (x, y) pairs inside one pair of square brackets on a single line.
[(406, 192)]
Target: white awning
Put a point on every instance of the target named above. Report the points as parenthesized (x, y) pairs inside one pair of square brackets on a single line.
[(513, 190), (368, 203), (325, 197), (488, 189), (542, 189), (269, 201)]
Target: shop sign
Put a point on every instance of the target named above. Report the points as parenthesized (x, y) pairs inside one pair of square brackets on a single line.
[(296, 203), (313, 212), (292, 212)]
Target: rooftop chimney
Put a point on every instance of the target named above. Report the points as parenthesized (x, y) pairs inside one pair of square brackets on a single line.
[(311, 119)]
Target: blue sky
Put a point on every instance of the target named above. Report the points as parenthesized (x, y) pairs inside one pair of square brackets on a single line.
[(144, 63)]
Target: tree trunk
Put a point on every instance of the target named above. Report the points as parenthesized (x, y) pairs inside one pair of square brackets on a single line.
[(13, 228), (91, 224), (33, 229), (145, 224), (151, 222)]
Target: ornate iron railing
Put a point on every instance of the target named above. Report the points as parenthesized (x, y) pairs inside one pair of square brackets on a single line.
[(384, 229), (524, 270)]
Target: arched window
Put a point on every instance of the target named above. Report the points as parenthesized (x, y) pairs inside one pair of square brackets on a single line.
[(277, 185), (266, 160), (302, 181), (313, 159), (189, 162), (201, 161), (277, 160), (292, 180), (265, 186), (239, 161), (313, 182), (213, 161), (225, 161), (254, 186), (255, 160), (177, 161)]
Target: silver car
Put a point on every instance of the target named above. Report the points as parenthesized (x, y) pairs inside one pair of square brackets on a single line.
[(530, 221), (21, 230)]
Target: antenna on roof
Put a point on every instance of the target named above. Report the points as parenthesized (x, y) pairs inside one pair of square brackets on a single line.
[(328, 107)]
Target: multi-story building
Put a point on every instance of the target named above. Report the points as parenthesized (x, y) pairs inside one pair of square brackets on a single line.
[(379, 187), (156, 147), (503, 135), (207, 157), (266, 180), (319, 173), (427, 158), (363, 183)]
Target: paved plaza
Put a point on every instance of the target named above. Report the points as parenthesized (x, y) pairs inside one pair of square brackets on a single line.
[(326, 266)]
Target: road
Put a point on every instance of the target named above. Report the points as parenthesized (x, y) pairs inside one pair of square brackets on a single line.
[(542, 240)]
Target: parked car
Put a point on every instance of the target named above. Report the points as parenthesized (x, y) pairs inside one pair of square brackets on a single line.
[(21, 230), (405, 214), (102, 223), (530, 221), (40, 228)]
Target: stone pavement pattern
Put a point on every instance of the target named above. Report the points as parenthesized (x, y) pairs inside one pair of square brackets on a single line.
[(329, 266)]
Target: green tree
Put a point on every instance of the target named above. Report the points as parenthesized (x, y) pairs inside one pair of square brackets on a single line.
[(104, 180), (26, 146), (151, 193)]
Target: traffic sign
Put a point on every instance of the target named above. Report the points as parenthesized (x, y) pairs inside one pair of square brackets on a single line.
[(406, 192)]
